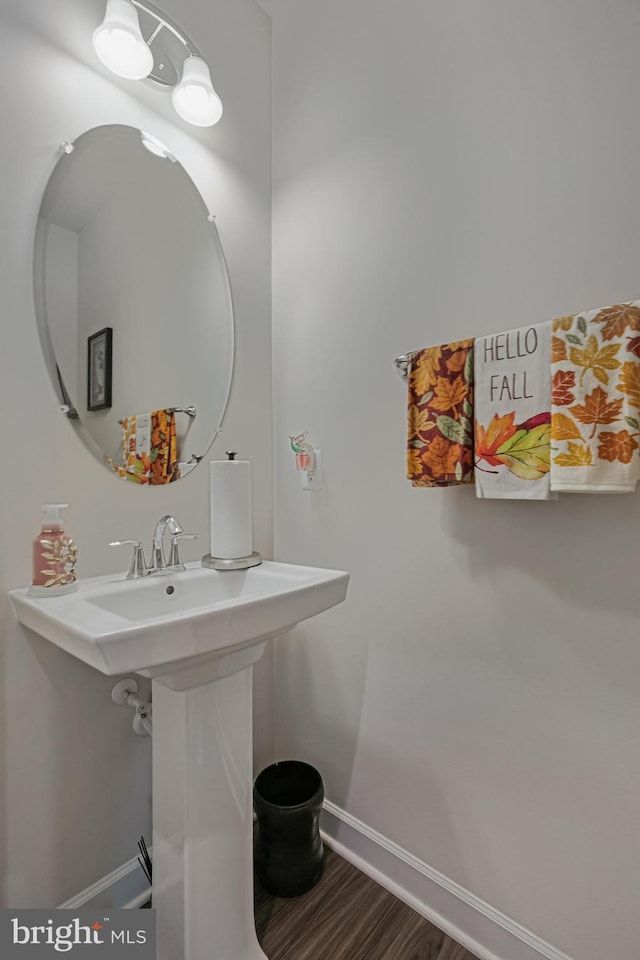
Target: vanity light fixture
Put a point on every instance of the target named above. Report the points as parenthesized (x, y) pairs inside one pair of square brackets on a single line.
[(166, 57), (194, 98), (119, 43)]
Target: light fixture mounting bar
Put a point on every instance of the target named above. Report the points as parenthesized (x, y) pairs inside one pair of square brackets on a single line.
[(155, 33), (163, 21)]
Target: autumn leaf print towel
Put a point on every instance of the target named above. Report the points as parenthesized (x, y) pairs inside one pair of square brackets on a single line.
[(149, 448), (440, 412), (595, 428), (164, 448), (513, 414)]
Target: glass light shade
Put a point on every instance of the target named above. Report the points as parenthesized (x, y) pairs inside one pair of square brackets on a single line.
[(194, 98), (156, 147), (119, 43)]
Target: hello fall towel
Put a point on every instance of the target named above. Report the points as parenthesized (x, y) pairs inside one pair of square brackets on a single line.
[(596, 400), (512, 421), (440, 410), (136, 447)]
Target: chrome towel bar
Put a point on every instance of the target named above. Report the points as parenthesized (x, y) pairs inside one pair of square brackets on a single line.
[(190, 411), (402, 365)]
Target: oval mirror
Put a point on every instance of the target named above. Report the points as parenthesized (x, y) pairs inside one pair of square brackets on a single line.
[(133, 304)]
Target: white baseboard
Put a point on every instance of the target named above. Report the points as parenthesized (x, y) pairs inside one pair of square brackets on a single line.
[(123, 888), (479, 927)]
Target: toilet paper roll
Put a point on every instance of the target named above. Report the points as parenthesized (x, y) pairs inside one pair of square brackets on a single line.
[(230, 505)]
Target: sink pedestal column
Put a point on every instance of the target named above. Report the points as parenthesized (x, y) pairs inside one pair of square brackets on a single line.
[(203, 812)]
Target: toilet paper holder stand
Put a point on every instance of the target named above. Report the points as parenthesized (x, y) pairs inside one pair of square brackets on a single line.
[(237, 563), (232, 563)]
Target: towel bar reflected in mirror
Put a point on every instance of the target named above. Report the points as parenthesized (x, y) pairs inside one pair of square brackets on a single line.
[(190, 412)]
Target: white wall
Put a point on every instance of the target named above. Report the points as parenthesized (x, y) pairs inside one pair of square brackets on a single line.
[(75, 781), (61, 296), (444, 170)]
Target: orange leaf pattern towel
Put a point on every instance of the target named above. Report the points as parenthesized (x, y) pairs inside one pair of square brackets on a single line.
[(440, 412), (595, 424), (164, 447), (149, 448)]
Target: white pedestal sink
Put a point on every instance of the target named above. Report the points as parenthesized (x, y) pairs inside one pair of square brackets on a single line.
[(196, 634)]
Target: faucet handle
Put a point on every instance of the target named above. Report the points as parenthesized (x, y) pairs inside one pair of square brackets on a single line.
[(175, 557), (138, 567)]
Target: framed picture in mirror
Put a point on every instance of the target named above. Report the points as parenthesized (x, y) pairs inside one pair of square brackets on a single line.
[(99, 369)]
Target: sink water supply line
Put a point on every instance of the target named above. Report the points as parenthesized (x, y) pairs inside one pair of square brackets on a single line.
[(125, 695)]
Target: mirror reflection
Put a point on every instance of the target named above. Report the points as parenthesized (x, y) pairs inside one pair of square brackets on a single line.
[(133, 304)]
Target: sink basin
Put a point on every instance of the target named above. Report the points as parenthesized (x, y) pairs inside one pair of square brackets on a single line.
[(197, 635), (163, 624)]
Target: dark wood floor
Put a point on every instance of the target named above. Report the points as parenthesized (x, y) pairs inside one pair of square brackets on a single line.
[(347, 917)]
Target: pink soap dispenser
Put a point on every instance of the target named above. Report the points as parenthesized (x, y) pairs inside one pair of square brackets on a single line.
[(54, 556)]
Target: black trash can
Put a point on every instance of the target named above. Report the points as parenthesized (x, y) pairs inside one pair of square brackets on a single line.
[(288, 851)]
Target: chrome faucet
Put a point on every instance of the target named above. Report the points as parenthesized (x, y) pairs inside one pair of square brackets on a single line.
[(158, 559), (158, 563)]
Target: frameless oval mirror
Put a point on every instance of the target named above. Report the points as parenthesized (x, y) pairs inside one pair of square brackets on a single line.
[(133, 304)]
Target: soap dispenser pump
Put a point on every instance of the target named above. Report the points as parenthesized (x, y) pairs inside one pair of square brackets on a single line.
[(54, 556)]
